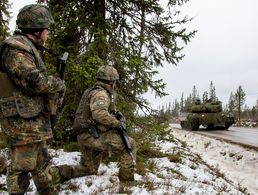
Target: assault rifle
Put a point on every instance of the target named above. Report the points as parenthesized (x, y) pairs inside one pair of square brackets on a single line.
[(62, 64), (60, 68), (123, 134)]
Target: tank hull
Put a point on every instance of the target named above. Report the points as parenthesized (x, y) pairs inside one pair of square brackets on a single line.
[(218, 120)]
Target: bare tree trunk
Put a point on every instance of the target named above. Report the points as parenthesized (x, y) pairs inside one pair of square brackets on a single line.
[(100, 33), (239, 105)]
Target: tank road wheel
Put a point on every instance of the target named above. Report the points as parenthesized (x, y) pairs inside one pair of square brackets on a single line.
[(183, 124), (210, 126), (227, 124), (195, 124)]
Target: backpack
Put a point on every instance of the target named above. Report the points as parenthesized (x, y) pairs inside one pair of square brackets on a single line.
[(7, 89)]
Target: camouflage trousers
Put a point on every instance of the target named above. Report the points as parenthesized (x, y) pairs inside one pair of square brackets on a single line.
[(30, 158), (92, 151), (110, 143)]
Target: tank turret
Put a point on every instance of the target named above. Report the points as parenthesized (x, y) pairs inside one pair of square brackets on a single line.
[(209, 114)]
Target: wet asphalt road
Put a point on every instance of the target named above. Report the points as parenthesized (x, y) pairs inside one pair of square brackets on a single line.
[(246, 136)]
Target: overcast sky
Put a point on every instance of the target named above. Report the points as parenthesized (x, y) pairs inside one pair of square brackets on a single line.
[(224, 50)]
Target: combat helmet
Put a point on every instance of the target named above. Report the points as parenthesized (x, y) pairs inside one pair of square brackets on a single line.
[(107, 73), (34, 16)]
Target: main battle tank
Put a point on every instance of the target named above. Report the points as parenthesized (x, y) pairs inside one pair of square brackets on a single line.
[(209, 115)]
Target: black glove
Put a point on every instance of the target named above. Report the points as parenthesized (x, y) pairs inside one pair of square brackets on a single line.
[(122, 125)]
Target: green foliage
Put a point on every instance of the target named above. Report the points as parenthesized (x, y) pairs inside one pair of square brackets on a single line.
[(151, 128), (148, 131), (72, 147), (144, 152), (4, 19), (134, 36)]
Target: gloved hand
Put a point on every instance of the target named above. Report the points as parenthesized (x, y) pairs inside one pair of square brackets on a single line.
[(119, 115)]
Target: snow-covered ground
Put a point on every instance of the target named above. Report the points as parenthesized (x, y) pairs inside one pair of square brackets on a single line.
[(238, 163), (194, 164)]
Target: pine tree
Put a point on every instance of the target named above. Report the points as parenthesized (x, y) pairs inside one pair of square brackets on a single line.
[(231, 103), (188, 102), (176, 108), (212, 92), (182, 107), (134, 36), (4, 19), (205, 97), (240, 100), (195, 93)]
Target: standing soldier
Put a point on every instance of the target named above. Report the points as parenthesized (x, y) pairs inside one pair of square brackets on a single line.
[(26, 90), (98, 130)]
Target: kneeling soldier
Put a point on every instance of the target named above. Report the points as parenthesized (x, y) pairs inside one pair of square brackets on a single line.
[(100, 131)]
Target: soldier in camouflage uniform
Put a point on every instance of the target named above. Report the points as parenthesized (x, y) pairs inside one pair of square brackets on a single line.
[(95, 110), (25, 96)]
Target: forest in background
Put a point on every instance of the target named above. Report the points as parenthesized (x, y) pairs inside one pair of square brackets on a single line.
[(235, 104)]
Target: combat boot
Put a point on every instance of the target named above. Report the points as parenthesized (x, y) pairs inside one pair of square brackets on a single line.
[(126, 174), (65, 172)]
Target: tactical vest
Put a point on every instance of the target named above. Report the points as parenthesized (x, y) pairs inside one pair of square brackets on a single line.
[(12, 100), (83, 112)]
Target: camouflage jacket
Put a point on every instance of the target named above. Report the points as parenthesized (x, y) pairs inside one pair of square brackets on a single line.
[(95, 108), (33, 88)]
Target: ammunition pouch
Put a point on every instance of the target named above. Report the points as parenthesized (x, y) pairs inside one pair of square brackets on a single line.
[(21, 104), (8, 107)]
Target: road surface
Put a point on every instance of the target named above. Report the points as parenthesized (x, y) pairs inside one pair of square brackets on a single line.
[(246, 136)]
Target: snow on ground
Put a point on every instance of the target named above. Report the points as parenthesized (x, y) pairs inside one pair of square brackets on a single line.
[(238, 163), (193, 165)]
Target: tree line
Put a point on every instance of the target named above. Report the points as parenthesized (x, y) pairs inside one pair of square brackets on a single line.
[(236, 103)]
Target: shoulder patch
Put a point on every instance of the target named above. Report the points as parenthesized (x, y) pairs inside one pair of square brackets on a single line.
[(17, 43), (101, 100)]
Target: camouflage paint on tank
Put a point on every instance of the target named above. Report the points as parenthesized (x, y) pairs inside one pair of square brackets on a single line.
[(209, 115)]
